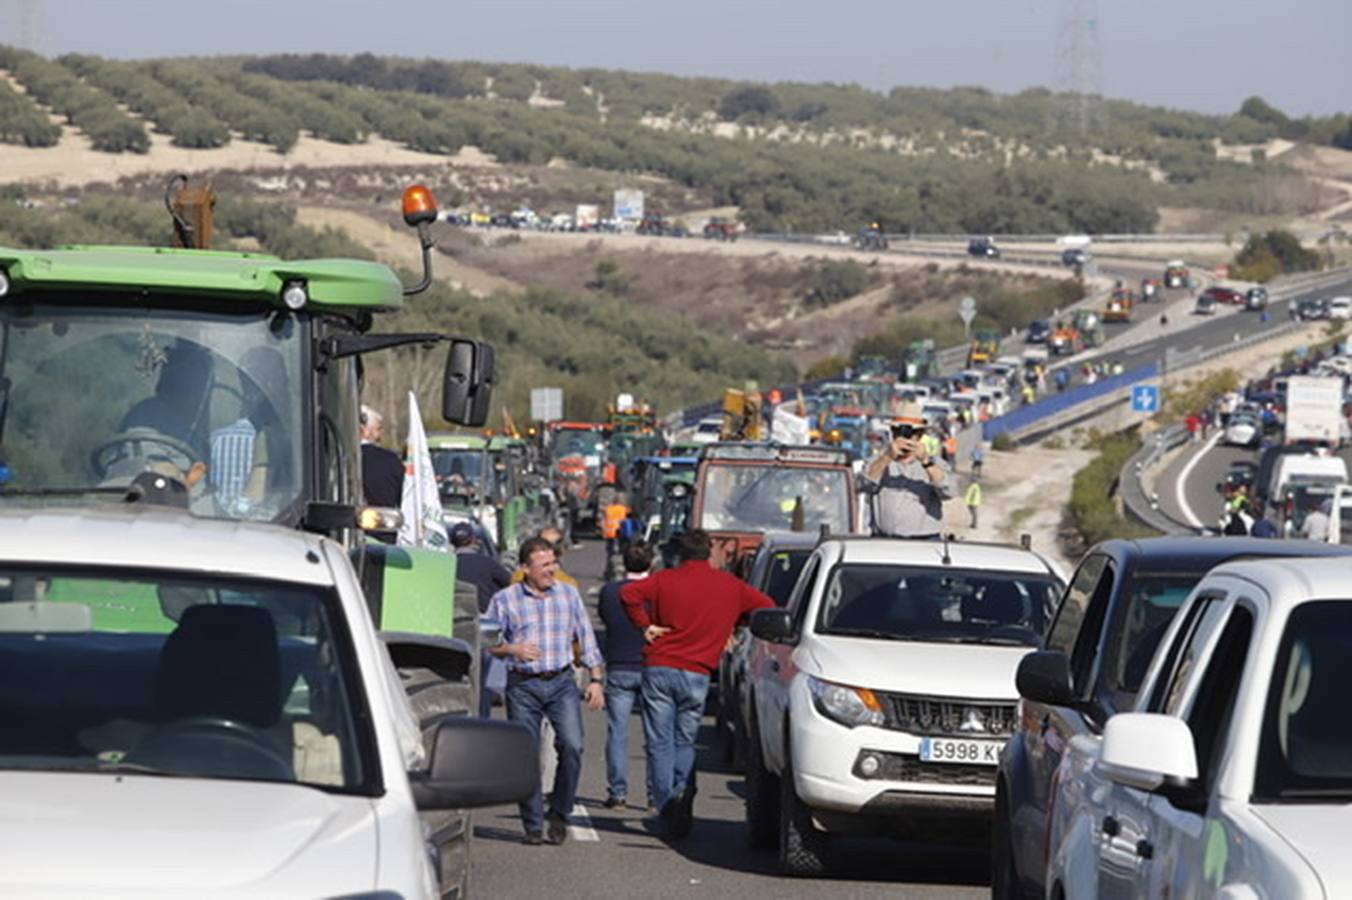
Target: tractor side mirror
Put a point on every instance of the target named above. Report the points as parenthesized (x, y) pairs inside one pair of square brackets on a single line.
[(467, 385)]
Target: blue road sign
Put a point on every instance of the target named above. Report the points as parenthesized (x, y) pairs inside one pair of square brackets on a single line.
[(1145, 398)]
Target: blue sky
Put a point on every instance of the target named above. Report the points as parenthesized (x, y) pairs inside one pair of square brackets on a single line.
[(1196, 54)]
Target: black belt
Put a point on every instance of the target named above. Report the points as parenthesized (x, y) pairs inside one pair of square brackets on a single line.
[(515, 673)]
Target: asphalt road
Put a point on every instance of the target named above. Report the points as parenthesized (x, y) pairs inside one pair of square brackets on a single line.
[(610, 854)]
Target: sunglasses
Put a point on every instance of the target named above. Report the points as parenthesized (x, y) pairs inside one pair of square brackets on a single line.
[(907, 431)]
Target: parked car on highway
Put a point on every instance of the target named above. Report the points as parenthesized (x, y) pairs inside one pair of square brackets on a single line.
[(1038, 332), (1340, 308), (1091, 665), (1205, 305), (1256, 299), (1075, 256), (881, 693), (205, 707), (1312, 308), (1243, 431), (1230, 775), (774, 571), (1223, 295), (983, 247)]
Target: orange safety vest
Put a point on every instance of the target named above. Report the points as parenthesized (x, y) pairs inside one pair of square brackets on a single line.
[(616, 513), (951, 445)]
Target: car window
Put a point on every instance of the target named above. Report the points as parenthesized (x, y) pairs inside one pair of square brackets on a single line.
[(1209, 718), (1305, 751), (781, 573), (1066, 626), (802, 592), (1193, 649), (210, 677), (1142, 615), (929, 603), (1085, 651)]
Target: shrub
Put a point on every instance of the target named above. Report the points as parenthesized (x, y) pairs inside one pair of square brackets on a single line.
[(837, 280), (826, 367), (1092, 507), (1264, 256), (754, 100)]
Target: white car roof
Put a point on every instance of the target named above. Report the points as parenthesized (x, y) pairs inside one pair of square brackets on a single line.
[(963, 555), (1290, 581), (159, 538)]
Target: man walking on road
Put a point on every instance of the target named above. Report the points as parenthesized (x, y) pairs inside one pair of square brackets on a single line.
[(907, 484), (686, 614), (624, 672), (541, 618), (973, 499)]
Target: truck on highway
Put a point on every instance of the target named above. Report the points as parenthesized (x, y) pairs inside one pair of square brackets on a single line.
[(1314, 410), (1176, 274)]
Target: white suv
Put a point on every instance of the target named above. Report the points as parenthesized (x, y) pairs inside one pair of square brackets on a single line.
[(1231, 777), (204, 708), (882, 693)]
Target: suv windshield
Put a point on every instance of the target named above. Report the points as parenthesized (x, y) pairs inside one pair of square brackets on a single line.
[(973, 606), (165, 674), (92, 396), (763, 498), (1305, 751)]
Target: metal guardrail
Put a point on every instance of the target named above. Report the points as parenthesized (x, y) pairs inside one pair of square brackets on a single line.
[(1143, 507)]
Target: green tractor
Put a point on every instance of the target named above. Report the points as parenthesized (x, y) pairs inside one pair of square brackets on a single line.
[(232, 382)]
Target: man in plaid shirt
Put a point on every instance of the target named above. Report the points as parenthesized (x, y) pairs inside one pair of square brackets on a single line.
[(541, 617)]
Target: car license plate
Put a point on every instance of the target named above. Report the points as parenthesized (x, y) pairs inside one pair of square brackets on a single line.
[(972, 753)]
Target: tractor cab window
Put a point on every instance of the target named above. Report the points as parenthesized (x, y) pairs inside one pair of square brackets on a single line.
[(91, 397)]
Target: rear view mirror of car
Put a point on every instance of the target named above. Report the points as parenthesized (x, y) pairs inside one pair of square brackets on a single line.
[(468, 383), (772, 625), (1044, 677), (1148, 750), (477, 762), (42, 617)]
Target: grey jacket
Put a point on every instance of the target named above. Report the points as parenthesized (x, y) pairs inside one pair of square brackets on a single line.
[(905, 503)]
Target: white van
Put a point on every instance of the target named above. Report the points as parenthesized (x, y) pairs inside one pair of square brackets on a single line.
[(1292, 471)]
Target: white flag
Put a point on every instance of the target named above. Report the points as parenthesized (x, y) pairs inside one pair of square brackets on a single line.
[(421, 504), (786, 428)]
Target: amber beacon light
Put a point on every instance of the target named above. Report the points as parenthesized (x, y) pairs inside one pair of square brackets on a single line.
[(419, 205)]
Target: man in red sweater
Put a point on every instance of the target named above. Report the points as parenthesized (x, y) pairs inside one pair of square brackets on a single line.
[(686, 615)]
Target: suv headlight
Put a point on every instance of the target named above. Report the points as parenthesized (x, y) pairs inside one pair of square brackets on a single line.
[(847, 705)]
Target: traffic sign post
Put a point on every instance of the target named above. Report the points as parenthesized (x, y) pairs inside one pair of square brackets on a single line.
[(546, 404), (967, 312), (1145, 398)]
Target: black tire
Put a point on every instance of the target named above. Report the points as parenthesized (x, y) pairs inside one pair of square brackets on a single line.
[(1005, 881), (802, 848), (762, 800), (723, 727), (739, 743), (433, 699)]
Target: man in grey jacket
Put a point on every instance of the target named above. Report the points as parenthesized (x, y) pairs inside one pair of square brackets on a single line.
[(906, 485)]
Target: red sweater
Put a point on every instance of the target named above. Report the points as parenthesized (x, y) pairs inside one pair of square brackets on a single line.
[(700, 604)]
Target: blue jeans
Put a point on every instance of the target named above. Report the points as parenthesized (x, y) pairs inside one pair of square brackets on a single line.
[(529, 700), (673, 701), (622, 692)]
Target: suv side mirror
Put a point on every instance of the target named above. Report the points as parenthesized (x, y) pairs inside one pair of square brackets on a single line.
[(1148, 751), (467, 384), (1043, 676), (775, 625), (477, 762)]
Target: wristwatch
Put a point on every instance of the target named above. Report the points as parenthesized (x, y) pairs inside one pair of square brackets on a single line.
[(928, 464), (597, 680)]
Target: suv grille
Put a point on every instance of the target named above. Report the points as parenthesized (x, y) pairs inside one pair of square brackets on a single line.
[(946, 717)]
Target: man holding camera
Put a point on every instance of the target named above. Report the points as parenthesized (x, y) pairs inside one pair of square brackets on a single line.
[(908, 486)]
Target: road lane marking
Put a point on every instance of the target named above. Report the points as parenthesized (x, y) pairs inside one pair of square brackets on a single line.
[(1180, 487), (582, 829)]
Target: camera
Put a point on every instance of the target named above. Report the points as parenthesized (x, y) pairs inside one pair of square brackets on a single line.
[(907, 431)]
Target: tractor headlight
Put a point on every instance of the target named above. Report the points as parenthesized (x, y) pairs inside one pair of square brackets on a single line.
[(295, 295)]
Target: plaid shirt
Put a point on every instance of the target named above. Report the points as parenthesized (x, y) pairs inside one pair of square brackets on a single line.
[(550, 621), (231, 459)]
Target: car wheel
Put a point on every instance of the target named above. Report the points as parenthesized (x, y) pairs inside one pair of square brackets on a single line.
[(762, 799), (739, 744), (1005, 882), (802, 848), (433, 698), (723, 724)]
